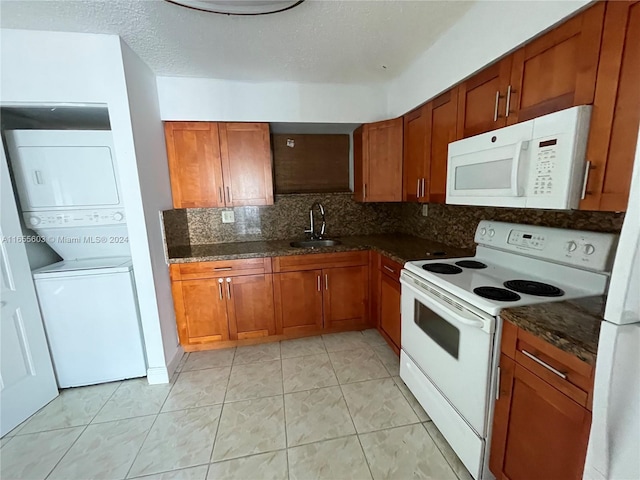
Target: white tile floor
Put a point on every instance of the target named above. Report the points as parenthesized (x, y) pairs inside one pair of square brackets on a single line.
[(327, 407)]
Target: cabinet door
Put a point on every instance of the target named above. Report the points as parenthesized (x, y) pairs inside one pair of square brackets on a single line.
[(359, 161), (195, 171), (383, 162), (558, 69), (298, 301), (546, 432), (250, 306), (415, 165), (616, 115), (442, 127), (201, 311), (345, 297), (390, 308), (246, 163), (481, 100)]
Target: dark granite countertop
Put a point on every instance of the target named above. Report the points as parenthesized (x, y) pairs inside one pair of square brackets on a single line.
[(572, 326), (399, 247)]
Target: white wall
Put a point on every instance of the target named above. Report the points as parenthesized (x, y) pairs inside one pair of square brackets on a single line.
[(488, 31), (155, 189), (204, 99), (47, 67)]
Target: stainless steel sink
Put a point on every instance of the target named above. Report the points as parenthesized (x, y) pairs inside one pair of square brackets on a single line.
[(315, 243)]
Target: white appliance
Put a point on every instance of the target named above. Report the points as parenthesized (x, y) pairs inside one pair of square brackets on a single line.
[(91, 320), (614, 442), (67, 183), (535, 164), (451, 325)]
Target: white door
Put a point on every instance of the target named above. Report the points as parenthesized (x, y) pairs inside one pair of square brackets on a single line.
[(27, 381)]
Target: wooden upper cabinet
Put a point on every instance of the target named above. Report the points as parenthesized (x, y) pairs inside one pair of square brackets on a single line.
[(378, 162), (193, 152), (415, 164), (557, 70), (442, 126), (616, 110), (298, 300), (482, 99), (250, 306), (246, 163), (346, 296), (219, 164)]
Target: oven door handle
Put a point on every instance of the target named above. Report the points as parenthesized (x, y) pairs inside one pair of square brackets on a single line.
[(464, 317)]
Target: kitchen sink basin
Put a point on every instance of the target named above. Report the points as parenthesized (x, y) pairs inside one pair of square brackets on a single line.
[(315, 243)]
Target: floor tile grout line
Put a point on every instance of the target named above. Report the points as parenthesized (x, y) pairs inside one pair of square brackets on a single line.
[(66, 451), (284, 412), (226, 389), (441, 452)]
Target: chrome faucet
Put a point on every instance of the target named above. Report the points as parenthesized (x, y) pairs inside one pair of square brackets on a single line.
[(312, 230)]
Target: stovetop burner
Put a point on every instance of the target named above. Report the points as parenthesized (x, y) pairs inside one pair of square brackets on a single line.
[(531, 287), (445, 268), (471, 264), (494, 293)]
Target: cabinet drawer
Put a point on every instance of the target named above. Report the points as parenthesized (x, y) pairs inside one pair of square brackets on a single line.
[(222, 268), (560, 369), (390, 268), (295, 263)]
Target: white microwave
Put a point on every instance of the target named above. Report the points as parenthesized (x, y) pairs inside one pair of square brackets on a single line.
[(535, 164)]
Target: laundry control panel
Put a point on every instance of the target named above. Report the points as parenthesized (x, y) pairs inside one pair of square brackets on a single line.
[(75, 218)]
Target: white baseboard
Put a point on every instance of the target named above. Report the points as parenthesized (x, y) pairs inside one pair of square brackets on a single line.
[(157, 375)]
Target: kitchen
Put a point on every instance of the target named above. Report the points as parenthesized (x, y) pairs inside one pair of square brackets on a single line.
[(397, 164)]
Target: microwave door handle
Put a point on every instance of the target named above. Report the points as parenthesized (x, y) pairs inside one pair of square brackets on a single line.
[(515, 190)]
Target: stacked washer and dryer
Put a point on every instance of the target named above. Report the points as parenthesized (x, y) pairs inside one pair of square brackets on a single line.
[(68, 186)]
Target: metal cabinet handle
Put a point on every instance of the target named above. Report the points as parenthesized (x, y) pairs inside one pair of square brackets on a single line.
[(319, 281), (220, 288), (495, 110), (508, 101), (229, 288), (585, 180), (228, 194), (418, 189), (389, 268), (544, 364), (423, 192), (364, 191), (220, 195), (326, 281)]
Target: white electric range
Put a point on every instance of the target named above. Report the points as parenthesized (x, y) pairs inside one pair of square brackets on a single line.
[(451, 323)]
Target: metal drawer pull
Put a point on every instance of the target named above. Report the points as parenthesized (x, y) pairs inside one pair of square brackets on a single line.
[(220, 288), (545, 365), (229, 288), (220, 269), (495, 110), (389, 268)]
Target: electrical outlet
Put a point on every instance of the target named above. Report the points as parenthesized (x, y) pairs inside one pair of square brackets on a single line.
[(425, 210), (228, 216)]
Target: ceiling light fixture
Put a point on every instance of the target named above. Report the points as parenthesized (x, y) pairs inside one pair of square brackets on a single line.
[(239, 7)]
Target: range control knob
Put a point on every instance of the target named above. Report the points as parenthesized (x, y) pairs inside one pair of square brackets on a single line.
[(118, 216), (34, 221), (492, 232), (589, 249), (572, 246), (483, 231)]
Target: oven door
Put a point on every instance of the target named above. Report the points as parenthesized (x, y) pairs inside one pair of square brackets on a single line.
[(490, 169), (452, 344)]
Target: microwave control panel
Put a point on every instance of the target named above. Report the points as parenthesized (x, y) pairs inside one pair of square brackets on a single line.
[(545, 164)]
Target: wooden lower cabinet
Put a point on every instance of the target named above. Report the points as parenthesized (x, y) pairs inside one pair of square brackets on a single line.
[(538, 431), (390, 308), (250, 306), (201, 311), (346, 295), (298, 298)]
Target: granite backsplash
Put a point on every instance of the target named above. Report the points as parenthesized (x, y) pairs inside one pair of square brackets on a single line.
[(455, 225), (452, 225), (287, 218)]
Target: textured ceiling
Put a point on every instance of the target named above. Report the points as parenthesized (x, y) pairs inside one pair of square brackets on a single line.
[(334, 41)]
